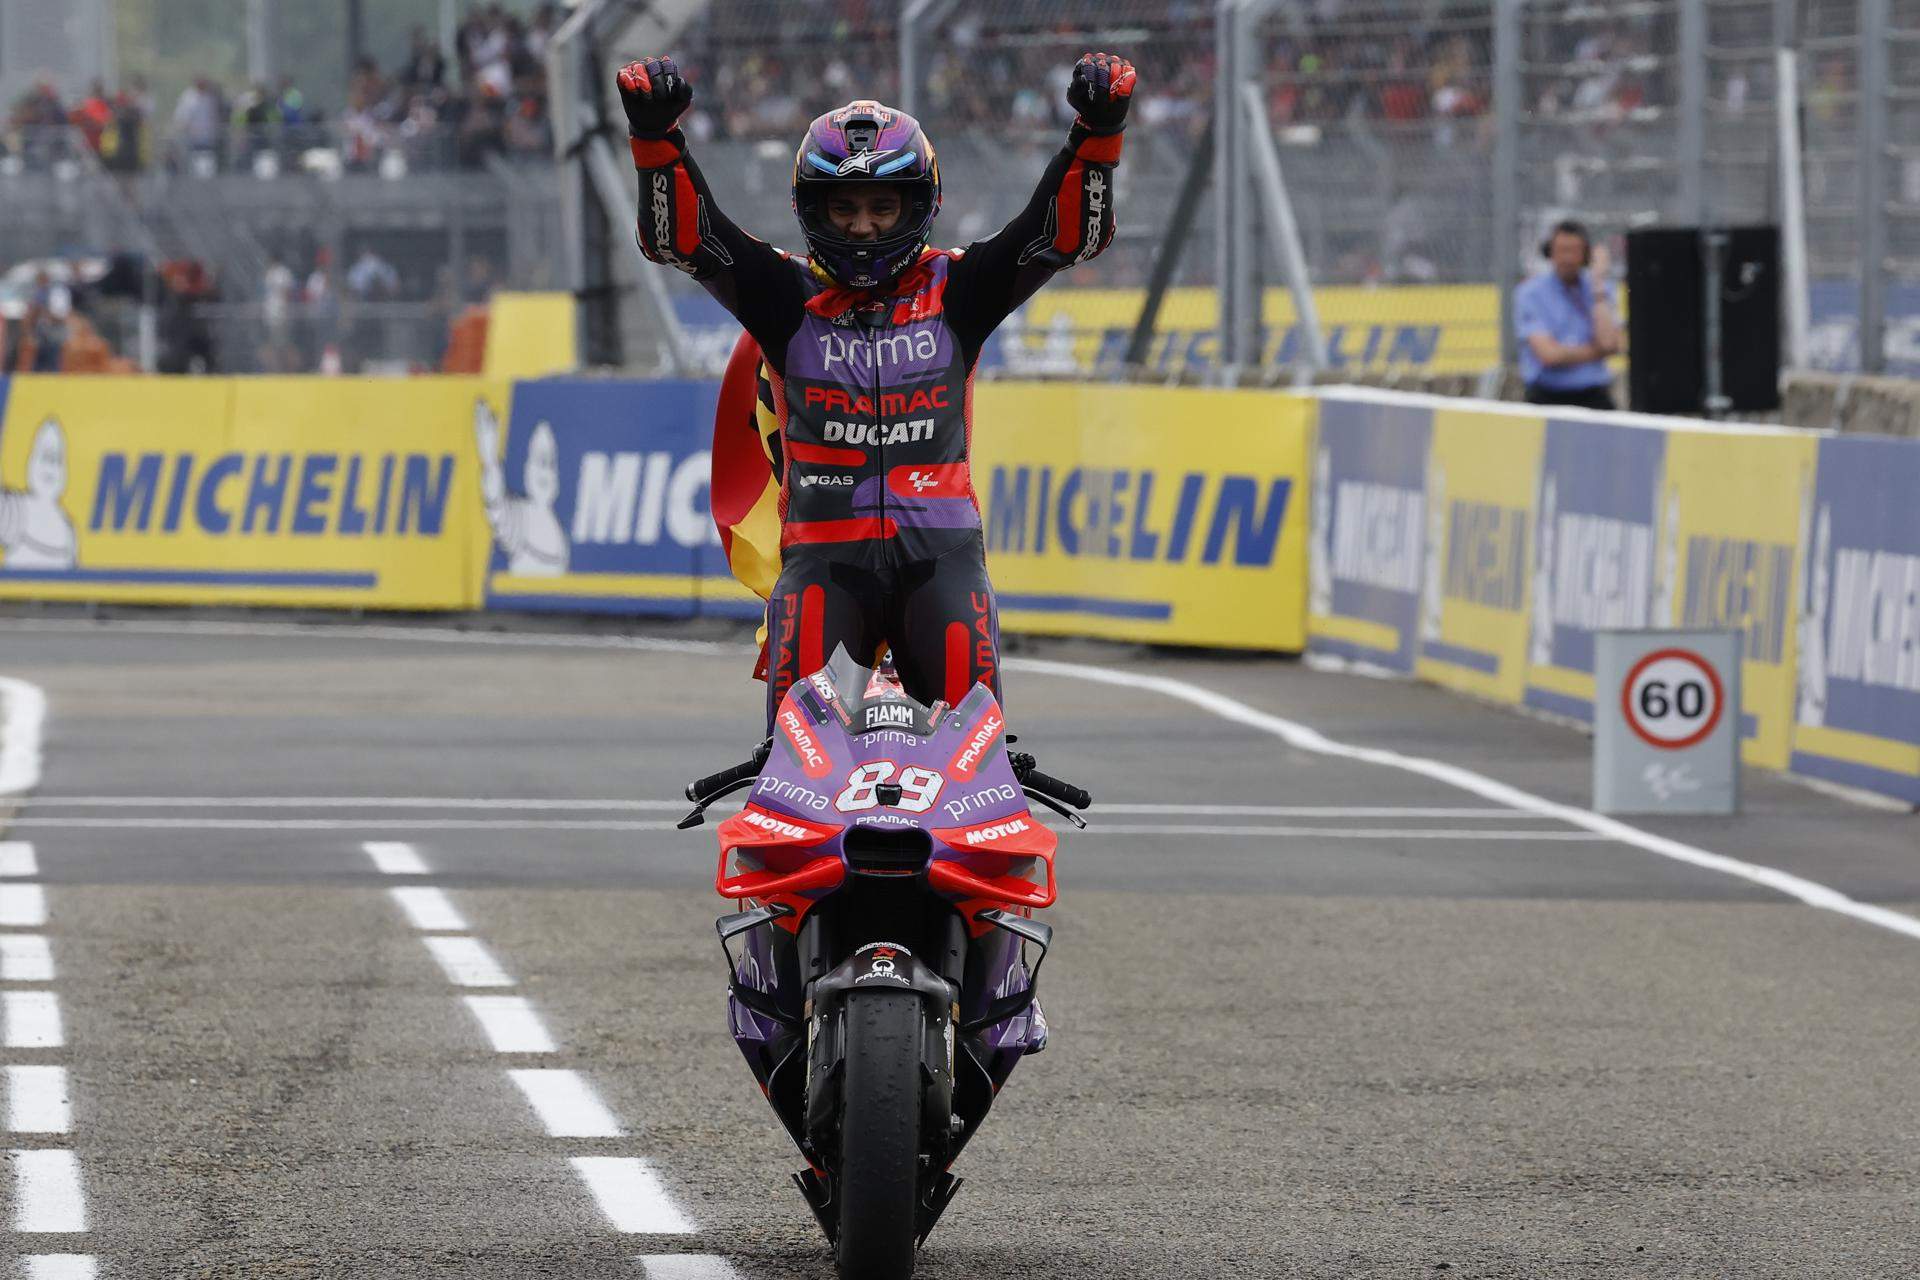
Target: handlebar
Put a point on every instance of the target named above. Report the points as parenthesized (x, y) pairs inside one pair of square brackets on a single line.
[(697, 791), (1059, 790)]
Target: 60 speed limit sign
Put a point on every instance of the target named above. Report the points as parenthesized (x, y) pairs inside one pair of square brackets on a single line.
[(1666, 721), (1672, 698)]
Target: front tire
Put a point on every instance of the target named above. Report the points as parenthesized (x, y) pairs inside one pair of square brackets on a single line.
[(880, 1137)]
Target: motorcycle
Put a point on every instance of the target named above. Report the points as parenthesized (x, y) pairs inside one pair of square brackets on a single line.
[(879, 980)]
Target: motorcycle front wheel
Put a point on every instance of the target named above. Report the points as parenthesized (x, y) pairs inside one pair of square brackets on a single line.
[(880, 1137)]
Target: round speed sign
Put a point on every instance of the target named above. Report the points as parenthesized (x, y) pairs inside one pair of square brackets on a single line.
[(1672, 698)]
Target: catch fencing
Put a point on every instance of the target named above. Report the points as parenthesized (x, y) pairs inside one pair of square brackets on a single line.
[(1425, 148)]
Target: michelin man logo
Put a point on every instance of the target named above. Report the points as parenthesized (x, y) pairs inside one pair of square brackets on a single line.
[(1816, 541), (1320, 541), (1433, 599), (524, 525), (35, 532), (1666, 569), (1540, 649)]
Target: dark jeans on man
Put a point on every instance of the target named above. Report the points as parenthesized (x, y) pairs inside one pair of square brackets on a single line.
[(1599, 397)]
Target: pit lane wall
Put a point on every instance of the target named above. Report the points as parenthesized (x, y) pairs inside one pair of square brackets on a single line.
[(1480, 546)]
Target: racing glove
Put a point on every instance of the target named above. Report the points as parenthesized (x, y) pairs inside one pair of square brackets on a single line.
[(1101, 91), (654, 94)]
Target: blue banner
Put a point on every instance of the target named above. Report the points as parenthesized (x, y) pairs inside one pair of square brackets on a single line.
[(1596, 560), (1857, 698), (596, 499), (1366, 548)]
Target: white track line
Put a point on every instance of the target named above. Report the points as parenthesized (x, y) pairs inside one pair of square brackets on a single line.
[(467, 962), (1315, 811), (23, 712), (1305, 738), (1336, 833), (37, 1100), (16, 859), (481, 824), (566, 1103), (25, 957), (337, 631), (687, 1266), (40, 801), (331, 824), (46, 1192), (32, 1019), (61, 1266), (393, 858), (669, 806), (630, 1194), (342, 824), (22, 906), (428, 909), (511, 1024)]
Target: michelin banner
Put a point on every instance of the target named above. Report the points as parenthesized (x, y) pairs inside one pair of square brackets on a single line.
[(1856, 705), (269, 491), (1141, 513), (595, 497)]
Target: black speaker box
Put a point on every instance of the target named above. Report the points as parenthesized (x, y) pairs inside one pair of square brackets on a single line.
[(1667, 321)]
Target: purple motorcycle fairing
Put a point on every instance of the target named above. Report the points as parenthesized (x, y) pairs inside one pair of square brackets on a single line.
[(833, 707)]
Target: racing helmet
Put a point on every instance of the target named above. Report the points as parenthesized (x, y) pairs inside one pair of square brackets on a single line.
[(865, 142)]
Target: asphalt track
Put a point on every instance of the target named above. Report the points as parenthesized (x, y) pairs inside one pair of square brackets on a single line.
[(1324, 1018)]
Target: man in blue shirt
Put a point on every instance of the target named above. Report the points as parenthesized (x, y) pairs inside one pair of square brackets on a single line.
[(1564, 319)]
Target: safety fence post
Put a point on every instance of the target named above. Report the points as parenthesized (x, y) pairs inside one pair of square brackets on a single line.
[(1792, 180), (1873, 165), (1507, 106), (1694, 74)]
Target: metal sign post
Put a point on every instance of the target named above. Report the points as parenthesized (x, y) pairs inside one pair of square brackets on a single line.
[(1666, 722)]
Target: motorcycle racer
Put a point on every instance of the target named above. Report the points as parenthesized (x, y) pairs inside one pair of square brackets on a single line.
[(870, 344)]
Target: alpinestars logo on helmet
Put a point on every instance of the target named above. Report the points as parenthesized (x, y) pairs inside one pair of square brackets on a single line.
[(862, 162)]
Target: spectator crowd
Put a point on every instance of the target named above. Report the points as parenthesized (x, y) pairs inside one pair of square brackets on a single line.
[(764, 66), (425, 110)]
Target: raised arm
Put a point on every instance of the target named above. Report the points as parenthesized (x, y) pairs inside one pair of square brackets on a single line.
[(680, 225), (1070, 217)]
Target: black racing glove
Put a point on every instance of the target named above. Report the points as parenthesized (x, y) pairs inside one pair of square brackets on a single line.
[(654, 94), (1101, 91)]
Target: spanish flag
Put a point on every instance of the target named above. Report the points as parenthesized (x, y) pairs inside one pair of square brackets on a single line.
[(746, 482)]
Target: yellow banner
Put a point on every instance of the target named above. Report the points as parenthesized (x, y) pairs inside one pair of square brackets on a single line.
[(1481, 472), (1729, 527), (1138, 513), (270, 491), (1435, 328)]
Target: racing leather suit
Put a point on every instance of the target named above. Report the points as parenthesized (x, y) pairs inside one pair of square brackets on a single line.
[(881, 538)]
